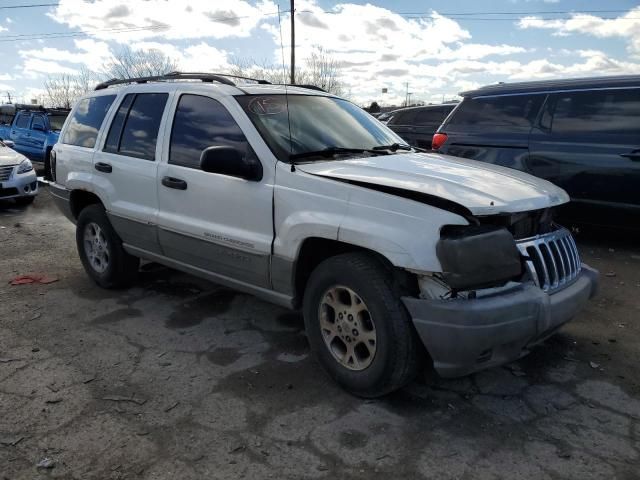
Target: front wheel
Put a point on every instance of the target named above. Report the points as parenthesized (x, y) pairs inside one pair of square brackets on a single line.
[(358, 327), (101, 252)]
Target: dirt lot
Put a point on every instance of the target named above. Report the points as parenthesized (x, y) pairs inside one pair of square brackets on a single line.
[(178, 378)]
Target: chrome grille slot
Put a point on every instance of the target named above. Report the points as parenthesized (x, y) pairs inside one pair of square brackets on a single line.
[(5, 172), (552, 259)]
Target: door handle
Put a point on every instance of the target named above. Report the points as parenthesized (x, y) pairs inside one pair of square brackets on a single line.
[(177, 183), (633, 155), (103, 167)]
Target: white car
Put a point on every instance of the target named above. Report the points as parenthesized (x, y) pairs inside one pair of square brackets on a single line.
[(305, 200), (18, 179)]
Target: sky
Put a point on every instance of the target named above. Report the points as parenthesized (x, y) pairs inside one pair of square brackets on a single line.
[(437, 48)]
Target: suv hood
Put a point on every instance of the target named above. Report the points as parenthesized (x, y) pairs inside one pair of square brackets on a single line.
[(482, 188), (9, 156)]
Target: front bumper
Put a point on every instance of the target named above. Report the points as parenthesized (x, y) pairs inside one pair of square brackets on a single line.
[(19, 185), (467, 335)]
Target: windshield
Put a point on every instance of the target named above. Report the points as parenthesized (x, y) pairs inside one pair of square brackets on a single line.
[(317, 123), (57, 120)]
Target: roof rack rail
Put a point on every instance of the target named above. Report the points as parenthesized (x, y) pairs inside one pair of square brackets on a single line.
[(204, 77), (307, 86)]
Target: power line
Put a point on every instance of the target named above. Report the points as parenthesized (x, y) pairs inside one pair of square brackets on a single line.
[(81, 33), (32, 5)]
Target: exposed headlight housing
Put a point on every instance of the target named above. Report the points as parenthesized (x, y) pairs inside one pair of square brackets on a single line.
[(478, 256), (25, 166)]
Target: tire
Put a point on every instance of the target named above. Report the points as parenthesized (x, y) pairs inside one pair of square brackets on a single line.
[(25, 200), (392, 358), (106, 263)]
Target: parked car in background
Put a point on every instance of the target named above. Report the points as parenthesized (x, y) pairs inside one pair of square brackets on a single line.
[(18, 180), (305, 200), (582, 134), (34, 132), (416, 125)]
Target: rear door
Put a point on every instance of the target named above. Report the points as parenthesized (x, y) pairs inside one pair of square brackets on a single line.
[(126, 167), (214, 222), (588, 143)]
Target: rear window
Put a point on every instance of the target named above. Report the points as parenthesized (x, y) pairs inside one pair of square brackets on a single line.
[(429, 116), (403, 118), (614, 111), (508, 111), (85, 123), (134, 129)]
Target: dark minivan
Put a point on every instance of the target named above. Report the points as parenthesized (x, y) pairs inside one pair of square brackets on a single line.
[(416, 125), (583, 135)]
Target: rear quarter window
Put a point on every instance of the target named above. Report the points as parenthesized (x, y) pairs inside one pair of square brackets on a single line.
[(508, 111), (87, 118)]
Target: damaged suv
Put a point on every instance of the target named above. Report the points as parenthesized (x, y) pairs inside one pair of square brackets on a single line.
[(303, 199)]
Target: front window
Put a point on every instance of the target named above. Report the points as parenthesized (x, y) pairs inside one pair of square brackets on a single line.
[(295, 125)]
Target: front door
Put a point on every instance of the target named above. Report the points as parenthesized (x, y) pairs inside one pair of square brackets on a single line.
[(20, 133), (589, 144), (213, 222)]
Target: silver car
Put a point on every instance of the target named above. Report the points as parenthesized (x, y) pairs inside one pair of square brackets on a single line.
[(18, 179)]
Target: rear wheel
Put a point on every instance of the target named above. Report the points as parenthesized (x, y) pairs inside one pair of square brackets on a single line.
[(101, 252), (358, 327)]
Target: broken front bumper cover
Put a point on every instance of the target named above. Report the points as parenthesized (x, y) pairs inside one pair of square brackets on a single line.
[(467, 335)]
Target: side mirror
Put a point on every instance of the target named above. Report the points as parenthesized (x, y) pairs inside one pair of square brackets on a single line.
[(230, 161), (9, 143)]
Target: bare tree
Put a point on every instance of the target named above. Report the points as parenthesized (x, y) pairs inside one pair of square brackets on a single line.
[(319, 69), (63, 90), (129, 63), (322, 70)]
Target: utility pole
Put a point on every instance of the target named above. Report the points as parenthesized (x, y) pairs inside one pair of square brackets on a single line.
[(406, 96), (293, 43)]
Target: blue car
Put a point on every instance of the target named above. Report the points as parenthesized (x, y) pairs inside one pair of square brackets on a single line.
[(34, 132)]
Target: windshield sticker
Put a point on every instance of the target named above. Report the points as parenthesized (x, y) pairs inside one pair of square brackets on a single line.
[(267, 106)]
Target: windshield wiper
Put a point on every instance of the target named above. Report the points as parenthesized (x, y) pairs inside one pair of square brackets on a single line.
[(393, 147), (327, 152)]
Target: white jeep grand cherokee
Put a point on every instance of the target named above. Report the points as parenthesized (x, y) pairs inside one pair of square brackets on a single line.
[(303, 199)]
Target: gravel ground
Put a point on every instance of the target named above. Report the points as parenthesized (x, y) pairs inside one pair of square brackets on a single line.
[(178, 378)]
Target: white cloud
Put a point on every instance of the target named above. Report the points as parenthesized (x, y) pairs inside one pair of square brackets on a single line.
[(35, 67), (4, 87), (5, 77), (201, 57), (89, 53), (8, 20), (3, 29), (626, 26), (170, 20)]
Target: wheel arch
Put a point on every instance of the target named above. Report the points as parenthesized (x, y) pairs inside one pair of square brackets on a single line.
[(80, 199), (315, 250)]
